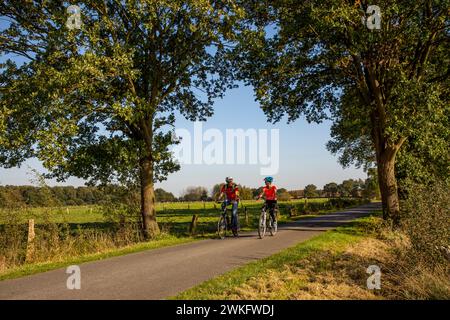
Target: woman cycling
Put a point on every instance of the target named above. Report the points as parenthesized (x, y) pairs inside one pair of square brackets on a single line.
[(270, 193)]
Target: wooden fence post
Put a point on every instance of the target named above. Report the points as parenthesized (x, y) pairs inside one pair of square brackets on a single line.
[(246, 215), (2, 263), (30, 241), (193, 226), (292, 211)]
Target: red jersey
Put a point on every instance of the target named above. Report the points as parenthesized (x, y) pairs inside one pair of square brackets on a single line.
[(230, 192), (270, 192)]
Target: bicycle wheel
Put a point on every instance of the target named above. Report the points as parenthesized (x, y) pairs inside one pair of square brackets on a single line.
[(234, 227), (262, 225), (222, 227), (273, 226)]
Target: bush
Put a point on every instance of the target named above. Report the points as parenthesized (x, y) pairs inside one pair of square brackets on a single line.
[(284, 196), (341, 203), (314, 207), (426, 220), (13, 237), (408, 272)]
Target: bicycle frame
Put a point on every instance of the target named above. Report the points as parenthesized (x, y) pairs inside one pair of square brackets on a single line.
[(266, 222), (227, 222), (225, 215)]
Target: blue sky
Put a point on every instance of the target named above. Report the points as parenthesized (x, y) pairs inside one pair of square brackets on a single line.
[(303, 156)]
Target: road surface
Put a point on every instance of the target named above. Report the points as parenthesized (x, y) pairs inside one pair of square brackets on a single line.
[(161, 273)]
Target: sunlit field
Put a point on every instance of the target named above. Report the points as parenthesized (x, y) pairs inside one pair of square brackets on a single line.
[(166, 212)]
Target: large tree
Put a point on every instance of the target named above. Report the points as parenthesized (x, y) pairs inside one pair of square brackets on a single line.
[(331, 189), (371, 188), (195, 194), (346, 187), (162, 195), (380, 86), (311, 191), (99, 102)]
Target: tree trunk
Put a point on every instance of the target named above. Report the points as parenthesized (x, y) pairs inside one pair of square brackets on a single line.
[(385, 148), (388, 185), (148, 207)]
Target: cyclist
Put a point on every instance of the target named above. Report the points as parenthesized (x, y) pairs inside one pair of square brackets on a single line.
[(231, 192), (270, 193)]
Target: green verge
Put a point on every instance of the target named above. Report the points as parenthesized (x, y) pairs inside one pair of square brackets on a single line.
[(161, 242), (334, 240)]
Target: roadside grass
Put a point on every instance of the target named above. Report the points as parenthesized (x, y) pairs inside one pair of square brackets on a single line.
[(333, 266), (162, 241), (229, 284)]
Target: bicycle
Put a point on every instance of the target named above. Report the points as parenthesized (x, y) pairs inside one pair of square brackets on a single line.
[(224, 223), (265, 223)]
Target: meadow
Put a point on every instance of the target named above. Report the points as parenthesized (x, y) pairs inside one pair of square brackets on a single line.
[(169, 214)]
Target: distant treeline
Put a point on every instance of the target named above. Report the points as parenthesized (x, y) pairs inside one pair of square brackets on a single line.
[(70, 196), (52, 196)]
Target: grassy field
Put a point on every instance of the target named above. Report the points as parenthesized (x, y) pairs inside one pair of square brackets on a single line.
[(174, 218), (166, 212)]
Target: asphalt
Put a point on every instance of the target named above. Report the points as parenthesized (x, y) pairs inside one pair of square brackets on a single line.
[(161, 273)]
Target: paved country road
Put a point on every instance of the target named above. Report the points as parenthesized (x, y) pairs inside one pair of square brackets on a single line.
[(161, 273)]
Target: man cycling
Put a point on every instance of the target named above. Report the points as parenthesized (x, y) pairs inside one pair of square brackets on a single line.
[(231, 192), (270, 193)]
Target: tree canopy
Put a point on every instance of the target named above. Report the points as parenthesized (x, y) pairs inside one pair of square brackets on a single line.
[(99, 102), (311, 191), (381, 87), (98, 98)]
